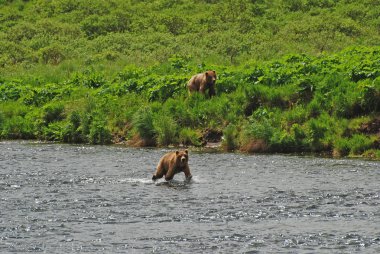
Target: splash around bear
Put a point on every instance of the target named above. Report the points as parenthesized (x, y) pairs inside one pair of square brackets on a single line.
[(171, 164), (202, 82)]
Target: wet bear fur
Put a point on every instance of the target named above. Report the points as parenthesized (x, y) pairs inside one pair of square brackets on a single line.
[(202, 82), (171, 164)]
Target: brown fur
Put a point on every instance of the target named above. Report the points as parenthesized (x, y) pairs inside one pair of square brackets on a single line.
[(171, 164), (202, 82)]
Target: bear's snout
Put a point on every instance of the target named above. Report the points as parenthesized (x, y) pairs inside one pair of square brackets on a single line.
[(183, 159)]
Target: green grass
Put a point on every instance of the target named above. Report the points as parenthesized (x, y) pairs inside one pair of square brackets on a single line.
[(71, 35), (267, 107), (293, 76)]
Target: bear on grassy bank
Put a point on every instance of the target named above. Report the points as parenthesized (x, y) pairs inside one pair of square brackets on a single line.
[(202, 82), (171, 164)]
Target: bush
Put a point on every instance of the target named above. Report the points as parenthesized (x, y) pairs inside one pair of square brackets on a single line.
[(355, 145), (53, 112), (90, 79), (53, 54), (342, 147), (230, 139), (316, 134), (18, 127), (189, 137), (2, 121), (181, 112), (165, 88), (99, 133), (11, 91), (166, 129), (371, 96), (360, 143), (73, 130), (142, 122), (256, 136), (54, 131), (282, 141)]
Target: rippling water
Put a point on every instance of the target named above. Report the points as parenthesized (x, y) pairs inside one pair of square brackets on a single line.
[(100, 199)]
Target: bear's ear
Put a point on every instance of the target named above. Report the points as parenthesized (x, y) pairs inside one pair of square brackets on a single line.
[(214, 72), (206, 73), (186, 151), (176, 152)]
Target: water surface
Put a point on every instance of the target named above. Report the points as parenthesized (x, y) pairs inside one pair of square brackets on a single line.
[(100, 199)]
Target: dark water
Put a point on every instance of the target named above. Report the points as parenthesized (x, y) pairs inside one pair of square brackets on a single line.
[(68, 199)]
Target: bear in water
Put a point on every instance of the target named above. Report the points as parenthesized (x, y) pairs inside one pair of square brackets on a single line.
[(171, 164)]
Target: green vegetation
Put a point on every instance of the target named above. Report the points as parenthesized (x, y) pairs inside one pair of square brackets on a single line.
[(293, 75), (71, 35)]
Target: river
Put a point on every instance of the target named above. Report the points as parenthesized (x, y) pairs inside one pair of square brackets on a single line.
[(58, 198)]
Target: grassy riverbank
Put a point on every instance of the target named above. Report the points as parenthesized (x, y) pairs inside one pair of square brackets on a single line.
[(293, 75), (325, 104)]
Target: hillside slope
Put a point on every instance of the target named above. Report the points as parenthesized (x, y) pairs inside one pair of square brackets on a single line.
[(293, 75), (120, 32)]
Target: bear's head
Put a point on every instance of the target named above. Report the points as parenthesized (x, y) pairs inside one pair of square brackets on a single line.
[(210, 77), (182, 157)]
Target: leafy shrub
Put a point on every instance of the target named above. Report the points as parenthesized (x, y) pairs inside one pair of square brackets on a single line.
[(256, 135), (53, 112), (73, 132), (143, 124), (2, 121), (371, 96), (316, 130), (99, 133), (314, 108), (38, 96), (230, 137), (53, 54), (181, 112), (298, 132), (342, 147), (359, 143), (209, 112), (165, 88), (166, 129), (86, 120), (178, 62), (131, 72), (372, 153), (54, 131), (18, 127), (10, 91), (306, 90), (188, 137), (355, 145), (298, 114), (282, 141), (89, 79)]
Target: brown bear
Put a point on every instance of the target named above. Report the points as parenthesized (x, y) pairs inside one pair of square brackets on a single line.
[(202, 81), (171, 164)]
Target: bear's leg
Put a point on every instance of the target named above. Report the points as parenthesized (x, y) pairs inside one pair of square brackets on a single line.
[(158, 174), (211, 91), (187, 173), (170, 174), (155, 177), (202, 89)]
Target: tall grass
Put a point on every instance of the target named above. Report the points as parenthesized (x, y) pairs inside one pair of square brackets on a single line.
[(143, 125), (166, 129)]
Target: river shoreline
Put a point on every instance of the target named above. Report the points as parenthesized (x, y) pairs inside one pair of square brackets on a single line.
[(212, 147)]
